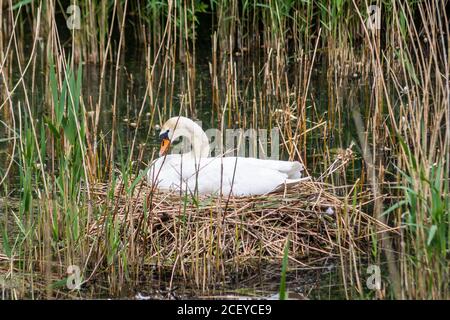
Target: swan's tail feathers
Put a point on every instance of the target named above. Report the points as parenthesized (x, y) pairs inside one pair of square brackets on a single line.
[(295, 172), (289, 183)]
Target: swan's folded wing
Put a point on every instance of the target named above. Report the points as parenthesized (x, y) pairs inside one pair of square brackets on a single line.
[(292, 169)]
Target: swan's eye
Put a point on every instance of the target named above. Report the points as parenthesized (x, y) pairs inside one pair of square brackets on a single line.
[(164, 135)]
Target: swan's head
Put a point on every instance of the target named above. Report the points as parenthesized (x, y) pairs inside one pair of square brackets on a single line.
[(170, 131), (176, 127)]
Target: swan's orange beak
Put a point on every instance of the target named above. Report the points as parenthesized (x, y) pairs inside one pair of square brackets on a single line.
[(165, 146)]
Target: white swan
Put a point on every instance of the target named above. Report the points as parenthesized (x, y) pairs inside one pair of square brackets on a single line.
[(196, 172)]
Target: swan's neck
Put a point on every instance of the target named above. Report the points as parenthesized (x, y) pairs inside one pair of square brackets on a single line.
[(196, 136)]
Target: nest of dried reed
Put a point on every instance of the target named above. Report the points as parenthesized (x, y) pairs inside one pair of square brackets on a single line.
[(207, 233)]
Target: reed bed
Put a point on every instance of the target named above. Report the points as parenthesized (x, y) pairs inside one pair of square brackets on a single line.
[(244, 229), (206, 239)]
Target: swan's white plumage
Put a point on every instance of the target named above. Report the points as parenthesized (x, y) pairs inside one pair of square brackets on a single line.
[(196, 173)]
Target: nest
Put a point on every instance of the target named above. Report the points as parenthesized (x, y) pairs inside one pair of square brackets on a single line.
[(204, 233)]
